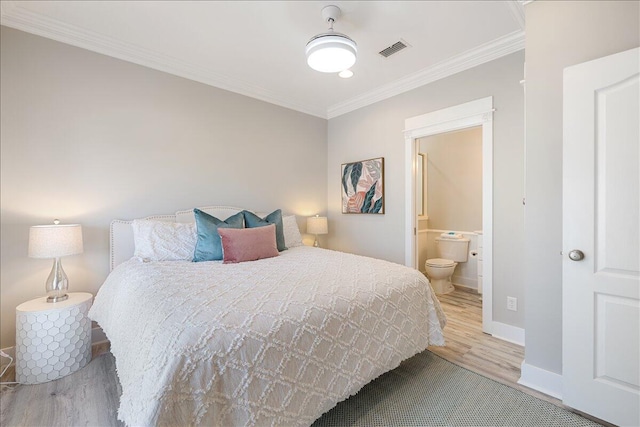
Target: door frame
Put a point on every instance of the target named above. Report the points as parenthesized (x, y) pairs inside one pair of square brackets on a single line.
[(470, 114)]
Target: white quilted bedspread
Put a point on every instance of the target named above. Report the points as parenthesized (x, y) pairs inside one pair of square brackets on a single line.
[(276, 342)]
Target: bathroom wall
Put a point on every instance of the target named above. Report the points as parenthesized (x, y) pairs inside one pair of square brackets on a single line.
[(453, 172), (453, 192)]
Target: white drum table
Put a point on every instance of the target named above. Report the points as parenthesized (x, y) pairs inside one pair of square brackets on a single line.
[(52, 339)]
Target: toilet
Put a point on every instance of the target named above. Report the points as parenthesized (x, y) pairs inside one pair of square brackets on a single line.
[(452, 248)]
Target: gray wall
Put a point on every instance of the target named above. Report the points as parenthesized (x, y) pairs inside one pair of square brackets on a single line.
[(88, 138), (559, 34), (376, 131), (454, 179)]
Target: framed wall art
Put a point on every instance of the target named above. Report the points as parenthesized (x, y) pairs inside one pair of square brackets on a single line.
[(362, 187)]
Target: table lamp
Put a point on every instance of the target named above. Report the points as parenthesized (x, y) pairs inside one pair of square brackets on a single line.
[(55, 241), (317, 225)]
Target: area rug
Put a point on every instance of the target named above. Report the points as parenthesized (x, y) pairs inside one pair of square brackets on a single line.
[(427, 390)]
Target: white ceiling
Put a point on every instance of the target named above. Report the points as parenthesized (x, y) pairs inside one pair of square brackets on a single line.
[(256, 48)]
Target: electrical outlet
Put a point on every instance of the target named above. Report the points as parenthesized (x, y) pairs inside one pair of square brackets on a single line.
[(512, 303)]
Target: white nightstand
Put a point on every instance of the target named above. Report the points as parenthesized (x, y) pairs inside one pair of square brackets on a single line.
[(52, 339)]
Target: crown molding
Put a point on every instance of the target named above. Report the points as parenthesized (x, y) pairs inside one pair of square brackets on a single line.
[(14, 16), (488, 52)]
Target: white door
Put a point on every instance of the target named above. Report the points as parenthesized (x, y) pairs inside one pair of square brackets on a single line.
[(601, 192)]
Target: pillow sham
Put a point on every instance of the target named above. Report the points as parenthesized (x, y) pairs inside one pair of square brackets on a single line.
[(208, 245), (292, 236), (163, 241), (252, 220), (248, 244)]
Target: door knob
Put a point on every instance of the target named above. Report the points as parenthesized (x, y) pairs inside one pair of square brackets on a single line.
[(576, 255)]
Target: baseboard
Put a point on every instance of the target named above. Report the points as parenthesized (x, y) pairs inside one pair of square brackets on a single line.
[(467, 282), (541, 380), (97, 335), (465, 287), (463, 282), (508, 333)]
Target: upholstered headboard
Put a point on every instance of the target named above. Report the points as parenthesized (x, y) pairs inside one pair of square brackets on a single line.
[(121, 232)]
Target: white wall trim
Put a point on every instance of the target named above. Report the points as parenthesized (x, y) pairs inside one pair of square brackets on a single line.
[(436, 231), (495, 49), (466, 282), (447, 115), (473, 113), (14, 16), (473, 288), (97, 335), (541, 380), (509, 333)]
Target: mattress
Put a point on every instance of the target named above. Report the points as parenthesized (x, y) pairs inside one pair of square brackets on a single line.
[(277, 341)]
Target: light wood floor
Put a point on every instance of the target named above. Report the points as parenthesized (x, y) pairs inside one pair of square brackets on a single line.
[(466, 346), (469, 347)]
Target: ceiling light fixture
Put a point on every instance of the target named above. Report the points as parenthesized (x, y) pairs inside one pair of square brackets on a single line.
[(331, 52), (346, 74)]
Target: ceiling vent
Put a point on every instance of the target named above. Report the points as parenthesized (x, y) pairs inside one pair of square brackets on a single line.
[(394, 48)]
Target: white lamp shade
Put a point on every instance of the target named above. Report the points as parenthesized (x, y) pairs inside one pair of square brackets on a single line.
[(331, 53), (54, 241), (317, 225)]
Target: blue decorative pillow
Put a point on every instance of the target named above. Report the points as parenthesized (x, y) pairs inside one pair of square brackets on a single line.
[(209, 245), (252, 220)]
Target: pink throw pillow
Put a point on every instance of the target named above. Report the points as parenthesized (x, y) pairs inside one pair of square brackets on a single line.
[(248, 244)]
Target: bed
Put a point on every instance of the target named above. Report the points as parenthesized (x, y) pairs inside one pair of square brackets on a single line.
[(277, 341)]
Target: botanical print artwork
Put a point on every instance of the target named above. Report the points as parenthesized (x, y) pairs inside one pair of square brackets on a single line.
[(363, 186)]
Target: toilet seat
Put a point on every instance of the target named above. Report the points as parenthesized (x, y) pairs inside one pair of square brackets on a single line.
[(439, 272), (440, 263)]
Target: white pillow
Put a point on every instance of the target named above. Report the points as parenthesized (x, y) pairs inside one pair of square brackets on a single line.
[(292, 236), (164, 241)]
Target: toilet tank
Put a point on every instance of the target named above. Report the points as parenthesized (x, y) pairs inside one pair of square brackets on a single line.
[(455, 249)]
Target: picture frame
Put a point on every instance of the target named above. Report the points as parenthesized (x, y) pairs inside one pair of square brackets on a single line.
[(362, 187)]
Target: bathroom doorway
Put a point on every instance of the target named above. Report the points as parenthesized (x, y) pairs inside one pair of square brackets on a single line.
[(448, 205), (478, 114)]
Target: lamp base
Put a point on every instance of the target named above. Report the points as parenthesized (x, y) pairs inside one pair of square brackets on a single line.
[(57, 283), (316, 244), (58, 298)]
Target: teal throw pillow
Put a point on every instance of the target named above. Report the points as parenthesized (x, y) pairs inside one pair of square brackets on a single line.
[(252, 220), (208, 244)]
